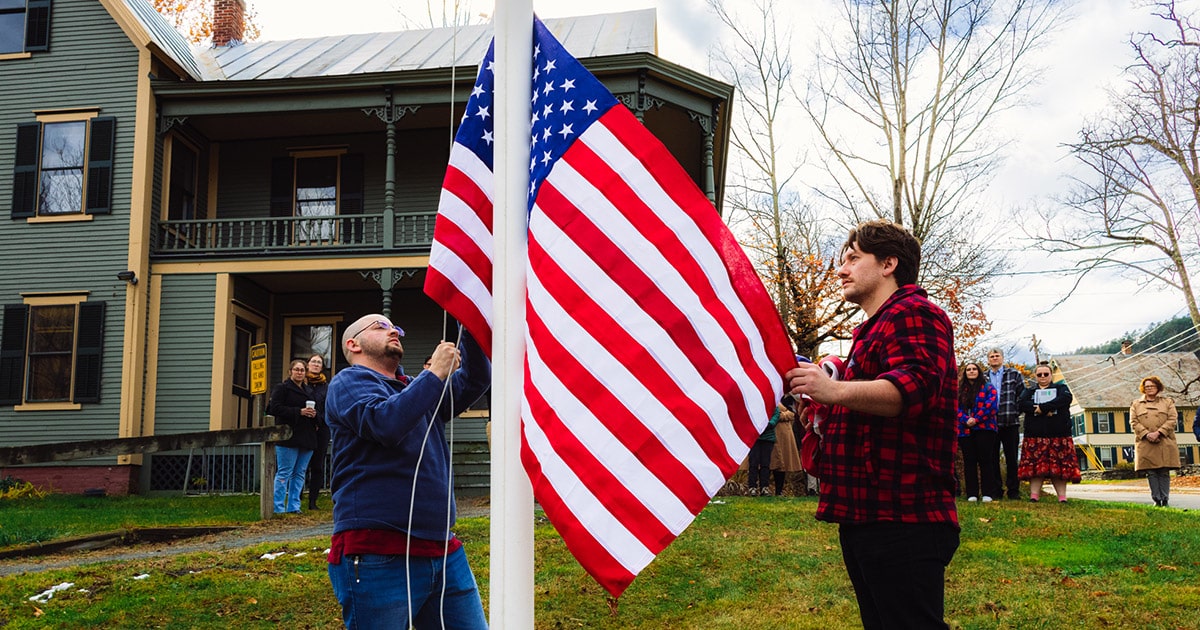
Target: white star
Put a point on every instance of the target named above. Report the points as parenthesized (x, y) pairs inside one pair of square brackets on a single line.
[(488, 137), (565, 131), (477, 91), (590, 107), (532, 163), (546, 157), (566, 107), (548, 89), (537, 50), (535, 119), (536, 73), (546, 135), (531, 187), (483, 113), (549, 66), (568, 85), (490, 65), (548, 109)]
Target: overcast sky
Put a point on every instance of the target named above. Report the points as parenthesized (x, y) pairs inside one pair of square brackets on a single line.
[(1085, 57)]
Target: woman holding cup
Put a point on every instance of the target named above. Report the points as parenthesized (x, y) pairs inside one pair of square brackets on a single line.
[(292, 403)]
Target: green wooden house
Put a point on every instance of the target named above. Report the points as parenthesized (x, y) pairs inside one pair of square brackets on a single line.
[(171, 206)]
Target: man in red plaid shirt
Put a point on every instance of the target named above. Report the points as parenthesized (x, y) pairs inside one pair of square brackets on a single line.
[(887, 456)]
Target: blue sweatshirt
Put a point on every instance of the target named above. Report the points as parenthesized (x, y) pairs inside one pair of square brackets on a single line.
[(378, 425)]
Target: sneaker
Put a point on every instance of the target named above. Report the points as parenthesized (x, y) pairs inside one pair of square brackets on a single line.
[(972, 499), (987, 499)]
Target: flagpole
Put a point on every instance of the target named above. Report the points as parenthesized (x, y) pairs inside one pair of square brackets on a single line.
[(511, 574)]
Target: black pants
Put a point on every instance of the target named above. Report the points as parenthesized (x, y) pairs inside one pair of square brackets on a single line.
[(899, 572), (1010, 438), (316, 473), (760, 464), (981, 463)]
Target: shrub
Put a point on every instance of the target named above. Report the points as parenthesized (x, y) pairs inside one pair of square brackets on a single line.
[(1124, 466), (17, 489)]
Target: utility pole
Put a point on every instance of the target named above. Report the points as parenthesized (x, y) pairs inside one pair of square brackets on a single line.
[(1037, 356)]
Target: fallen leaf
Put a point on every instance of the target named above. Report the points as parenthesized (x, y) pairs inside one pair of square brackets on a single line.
[(985, 520), (1100, 593), (1005, 581), (1167, 567), (37, 612), (724, 534), (1067, 581), (1138, 569), (252, 601)]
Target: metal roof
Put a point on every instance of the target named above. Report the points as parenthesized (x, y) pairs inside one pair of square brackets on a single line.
[(369, 53), (165, 37), (1101, 381)]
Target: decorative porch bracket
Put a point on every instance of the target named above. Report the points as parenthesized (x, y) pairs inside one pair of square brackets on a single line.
[(387, 278)]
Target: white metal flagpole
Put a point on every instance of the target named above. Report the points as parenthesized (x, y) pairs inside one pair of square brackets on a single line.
[(511, 573)]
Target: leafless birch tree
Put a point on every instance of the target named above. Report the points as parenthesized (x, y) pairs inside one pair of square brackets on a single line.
[(1137, 207), (781, 233), (902, 97)]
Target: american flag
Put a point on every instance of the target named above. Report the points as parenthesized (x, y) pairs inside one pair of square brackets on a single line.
[(654, 354)]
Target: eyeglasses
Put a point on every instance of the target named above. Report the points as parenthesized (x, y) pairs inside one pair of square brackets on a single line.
[(381, 325), (1042, 374)]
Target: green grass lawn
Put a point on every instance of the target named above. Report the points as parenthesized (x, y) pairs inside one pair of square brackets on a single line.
[(746, 563)]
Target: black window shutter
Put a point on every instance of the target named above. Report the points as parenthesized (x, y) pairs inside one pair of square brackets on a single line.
[(12, 354), (37, 25), (24, 201), (87, 352), (100, 165), (352, 184)]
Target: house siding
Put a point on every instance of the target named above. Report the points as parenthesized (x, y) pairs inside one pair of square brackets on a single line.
[(90, 64), (184, 380)]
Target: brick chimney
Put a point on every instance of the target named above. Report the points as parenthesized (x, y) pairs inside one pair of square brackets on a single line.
[(229, 22)]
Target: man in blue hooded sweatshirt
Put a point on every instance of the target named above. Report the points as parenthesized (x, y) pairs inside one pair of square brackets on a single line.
[(394, 560)]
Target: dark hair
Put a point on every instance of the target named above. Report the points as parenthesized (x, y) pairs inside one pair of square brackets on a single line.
[(883, 239), (1045, 364), (968, 388)]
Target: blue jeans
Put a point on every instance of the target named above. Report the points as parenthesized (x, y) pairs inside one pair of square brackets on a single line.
[(290, 465), (372, 591)]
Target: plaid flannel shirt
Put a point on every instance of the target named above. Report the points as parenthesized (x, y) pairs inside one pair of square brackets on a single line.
[(896, 469), (1011, 386)]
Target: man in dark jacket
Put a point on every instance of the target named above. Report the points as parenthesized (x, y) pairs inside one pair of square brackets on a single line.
[(1009, 384), (394, 561)]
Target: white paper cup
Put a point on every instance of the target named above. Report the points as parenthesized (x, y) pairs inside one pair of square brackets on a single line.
[(311, 404)]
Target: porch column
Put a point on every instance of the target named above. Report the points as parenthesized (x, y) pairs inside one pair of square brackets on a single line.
[(389, 114), (708, 124)]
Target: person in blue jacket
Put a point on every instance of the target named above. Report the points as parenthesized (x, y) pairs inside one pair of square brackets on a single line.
[(394, 561)]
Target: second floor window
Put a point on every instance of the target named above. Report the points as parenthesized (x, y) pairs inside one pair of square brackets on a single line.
[(24, 26), (314, 185), (63, 167), (1104, 422)]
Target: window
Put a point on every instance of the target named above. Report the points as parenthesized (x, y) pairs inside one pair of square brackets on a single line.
[(24, 26), (1185, 456), (1179, 422), (1104, 421), (1107, 456), (318, 183), (50, 350), (63, 166), (181, 197), (1128, 425), (1077, 425)]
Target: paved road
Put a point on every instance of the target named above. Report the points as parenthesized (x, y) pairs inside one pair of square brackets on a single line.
[(1130, 492)]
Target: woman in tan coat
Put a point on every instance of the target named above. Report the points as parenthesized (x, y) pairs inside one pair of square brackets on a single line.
[(1153, 418), (786, 456)]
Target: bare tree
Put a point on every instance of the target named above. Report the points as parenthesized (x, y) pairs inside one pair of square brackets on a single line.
[(902, 97), (780, 232), (1137, 208)]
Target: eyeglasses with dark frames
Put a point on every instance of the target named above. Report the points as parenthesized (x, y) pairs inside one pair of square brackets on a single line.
[(381, 325)]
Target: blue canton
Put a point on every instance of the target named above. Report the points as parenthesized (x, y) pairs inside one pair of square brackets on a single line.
[(566, 100)]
